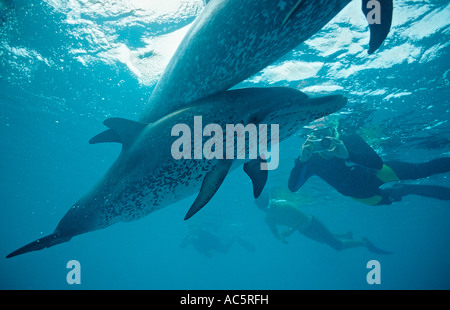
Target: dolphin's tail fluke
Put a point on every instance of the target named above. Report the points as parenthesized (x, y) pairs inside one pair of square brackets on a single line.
[(40, 244)]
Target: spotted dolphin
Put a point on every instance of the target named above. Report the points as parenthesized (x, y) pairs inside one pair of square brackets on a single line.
[(231, 40), (250, 35), (146, 177)]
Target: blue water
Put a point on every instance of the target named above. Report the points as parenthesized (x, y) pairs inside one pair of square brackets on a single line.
[(65, 67)]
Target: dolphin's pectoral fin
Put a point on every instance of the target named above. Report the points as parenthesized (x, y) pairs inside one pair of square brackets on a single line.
[(121, 130), (210, 185), (258, 176), (379, 15)]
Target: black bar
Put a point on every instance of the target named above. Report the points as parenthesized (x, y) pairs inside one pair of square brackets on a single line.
[(224, 298)]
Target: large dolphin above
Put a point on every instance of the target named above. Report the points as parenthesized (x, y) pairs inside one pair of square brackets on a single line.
[(231, 40), (146, 177)]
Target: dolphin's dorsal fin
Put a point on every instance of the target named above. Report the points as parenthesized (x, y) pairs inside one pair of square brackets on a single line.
[(105, 136), (379, 25), (121, 130), (210, 185), (258, 176)]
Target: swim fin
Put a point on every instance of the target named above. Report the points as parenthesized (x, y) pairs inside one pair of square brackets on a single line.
[(372, 248)]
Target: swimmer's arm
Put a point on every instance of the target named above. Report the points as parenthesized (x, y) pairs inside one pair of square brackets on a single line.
[(307, 151), (288, 232), (338, 149), (361, 153), (273, 228)]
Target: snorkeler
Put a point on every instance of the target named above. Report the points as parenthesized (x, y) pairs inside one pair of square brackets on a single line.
[(283, 212), (206, 242), (354, 169)]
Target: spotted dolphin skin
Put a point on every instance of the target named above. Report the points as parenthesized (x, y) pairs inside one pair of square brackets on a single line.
[(232, 40), (146, 177)]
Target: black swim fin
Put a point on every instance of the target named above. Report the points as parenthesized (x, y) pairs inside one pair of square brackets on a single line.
[(372, 248), (379, 16)]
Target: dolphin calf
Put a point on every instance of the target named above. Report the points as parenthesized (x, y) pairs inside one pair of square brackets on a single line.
[(231, 40), (146, 177)]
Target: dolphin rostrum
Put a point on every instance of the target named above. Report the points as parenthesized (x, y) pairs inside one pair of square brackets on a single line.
[(146, 177), (231, 40)]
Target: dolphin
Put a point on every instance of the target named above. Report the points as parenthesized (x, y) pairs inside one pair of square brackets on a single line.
[(231, 40), (146, 177)]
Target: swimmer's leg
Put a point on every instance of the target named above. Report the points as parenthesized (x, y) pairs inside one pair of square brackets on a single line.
[(398, 191), (317, 231), (350, 243), (372, 248), (408, 171), (348, 235), (224, 248)]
